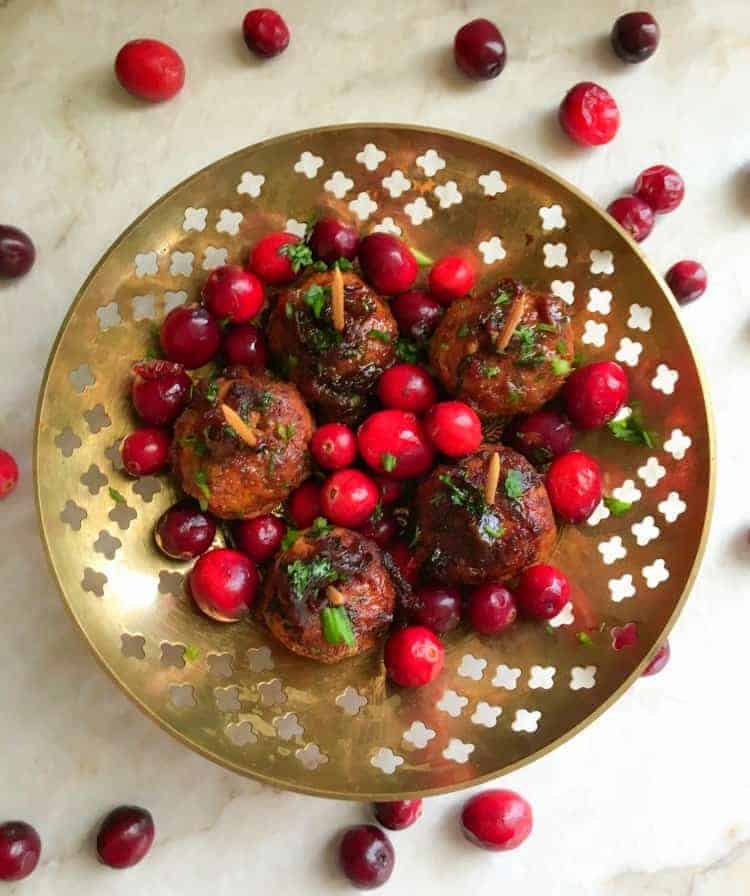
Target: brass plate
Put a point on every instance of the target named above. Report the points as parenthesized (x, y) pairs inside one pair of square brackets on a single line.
[(230, 692)]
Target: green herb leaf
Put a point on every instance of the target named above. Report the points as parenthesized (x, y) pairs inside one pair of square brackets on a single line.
[(424, 261), (377, 514), (560, 367), (201, 481), (323, 340), (388, 461), (320, 266), (585, 638), (501, 297), (561, 347), (515, 484), (343, 264), (191, 653), (463, 331), (308, 577), (464, 494), (615, 506), (632, 429), (528, 355), (380, 334), (285, 431), (320, 526), (545, 328), (116, 496), (290, 536), (407, 351), (336, 625), (492, 527), (212, 391), (548, 628), (289, 310), (199, 447), (299, 255), (315, 298), (489, 370), (264, 400), (514, 394)]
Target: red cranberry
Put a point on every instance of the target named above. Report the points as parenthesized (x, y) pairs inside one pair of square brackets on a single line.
[(405, 560), (497, 819), (348, 498), (399, 814), (390, 490), (417, 314), (8, 473), (233, 294), (334, 446), (366, 856), (479, 50), (542, 591), (160, 391), (635, 36), (574, 485), (491, 609), (332, 239), (661, 187), (304, 504), (265, 32), (17, 252), (387, 264), (20, 848), (273, 262), (407, 387), (414, 656), (542, 436), (453, 428), (190, 336), (146, 451), (260, 538), (633, 215), (687, 280), (437, 607), (125, 836), (381, 528), (184, 531), (223, 584), (659, 660), (595, 393), (150, 70), (589, 114), (245, 345), (394, 443), (451, 278)]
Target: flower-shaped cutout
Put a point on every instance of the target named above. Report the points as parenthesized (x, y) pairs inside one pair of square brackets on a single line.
[(640, 317), (430, 163), (387, 225), (600, 512), (448, 194), (386, 760), (582, 677), (214, 258), (552, 217), (677, 444), (452, 703), (602, 261), (181, 264), (338, 184), (298, 228), (555, 255), (144, 307), (612, 550), (308, 164), (351, 701), (311, 757), (542, 677), (419, 735), (665, 379), (418, 211), (566, 616), (250, 184), (259, 659), (486, 715), (656, 573), (458, 751), (594, 333), (627, 492), (272, 692), (645, 531), (370, 156), (229, 222), (396, 183), (363, 206), (600, 301), (288, 726), (241, 734), (624, 635), (492, 250), (472, 667), (506, 677), (526, 720), (629, 352), (194, 219), (565, 290), (672, 506), (651, 472), (108, 316), (621, 589), (492, 183)]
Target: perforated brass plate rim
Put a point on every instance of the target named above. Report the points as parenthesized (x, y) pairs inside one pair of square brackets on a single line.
[(229, 691)]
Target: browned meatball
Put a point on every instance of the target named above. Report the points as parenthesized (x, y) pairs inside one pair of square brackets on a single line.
[(297, 591), (241, 445), (505, 353), (336, 371), (463, 540)]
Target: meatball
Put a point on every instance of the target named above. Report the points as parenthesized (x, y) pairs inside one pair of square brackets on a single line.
[(504, 353), (321, 571), (241, 445), (463, 539), (336, 371)]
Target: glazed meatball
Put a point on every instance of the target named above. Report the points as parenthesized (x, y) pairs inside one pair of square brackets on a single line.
[(241, 445), (463, 539), (319, 572), (335, 370), (505, 353)]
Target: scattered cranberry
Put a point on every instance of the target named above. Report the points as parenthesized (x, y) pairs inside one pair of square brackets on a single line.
[(399, 814), (381, 527), (233, 294), (407, 387), (332, 239), (394, 443), (8, 473), (451, 278), (223, 584), (390, 490), (595, 393), (146, 451), (125, 836), (635, 36), (542, 591), (366, 856), (150, 70), (497, 819), (265, 32), (491, 609), (348, 498), (190, 336), (260, 538), (387, 264), (574, 485), (437, 607), (542, 436), (17, 252), (633, 215), (270, 261), (304, 504), (479, 50), (413, 656), (659, 660), (160, 391), (687, 280), (589, 114), (453, 428), (184, 531), (624, 636), (20, 848), (661, 187), (245, 345), (334, 446), (417, 314), (405, 560)]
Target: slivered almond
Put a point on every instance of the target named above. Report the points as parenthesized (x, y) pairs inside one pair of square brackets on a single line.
[(515, 313), (335, 597), (337, 300), (234, 420), (225, 386), (493, 477)]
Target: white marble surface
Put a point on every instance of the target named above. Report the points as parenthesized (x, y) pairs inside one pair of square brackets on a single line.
[(652, 799)]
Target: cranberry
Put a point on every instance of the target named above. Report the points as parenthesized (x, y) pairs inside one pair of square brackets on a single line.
[(8, 473), (589, 114), (437, 607), (633, 215), (223, 584), (542, 436), (304, 504), (574, 485), (635, 36), (491, 608), (125, 836), (497, 819), (334, 446), (394, 443), (17, 252), (20, 848), (348, 498), (260, 538), (245, 345), (332, 239), (399, 814), (595, 393), (184, 531), (542, 591), (160, 391), (416, 313), (479, 50), (390, 490), (381, 527), (687, 280), (150, 70), (659, 660), (366, 856), (190, 336), (233, 294), (407, 387), (146, 451), (453, 428), (405, 560), (387, 264), (270, 261), (451, 278), (265, 32), (414, 656), (661, 187)]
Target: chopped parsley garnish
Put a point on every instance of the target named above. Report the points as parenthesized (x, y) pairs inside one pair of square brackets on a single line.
[(198, 446), (514, 394), (380, 334), (285, 430), (489, 370), (633, 429), (561, 347), (229, 431), (299, 255), (501, 297), (320, 526), (515, 484), (191, 653), (463, 331), (323, 340), (201, 481), (377, 514), (336, 625), (545, 328), (315, 298), (290, 536), (388, 461), (343, 264), (407, 351), (615, 506), (212, 391), (116, 496), (585, 638), (424, 261), (264, 400), (528, 355), (320, 266), (560, 367), (464, 494), (492, 527), (308, 577)]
